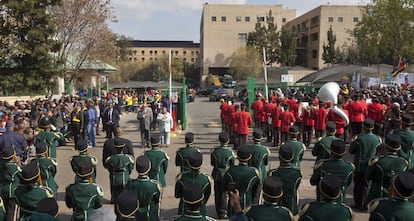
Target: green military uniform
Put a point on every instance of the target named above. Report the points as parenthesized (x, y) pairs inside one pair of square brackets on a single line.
[(407, 139), (322, 148), (148, 190), (298, 150), (83, 197), (221, 158), (245, 177), (159, 165), (342, 168), (29, 194), (259, 160), (181, 158), (193, 197), (363, 146), (50, 138), (327, 208), (47, 172), (195, 177), (126, 206), (46, 210), (120, 167), (382, 169), (9, 178), (83, 156), (269, 212), (395, 207), (291, 178)]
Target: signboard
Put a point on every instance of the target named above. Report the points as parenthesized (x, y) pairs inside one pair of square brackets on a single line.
[(174, 97), (286, 78)]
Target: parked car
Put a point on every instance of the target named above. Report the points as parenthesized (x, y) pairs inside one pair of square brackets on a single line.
[(229, 83), (216, 95), (207, 91)]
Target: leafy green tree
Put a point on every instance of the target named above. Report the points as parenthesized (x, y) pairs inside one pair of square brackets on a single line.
[(27, 45), (386, 32), (245, 62), (266, 35), (124, 47), (329, 51), (158, 70), (288, 47)]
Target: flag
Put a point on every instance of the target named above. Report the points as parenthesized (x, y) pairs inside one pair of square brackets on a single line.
[(401, 67)]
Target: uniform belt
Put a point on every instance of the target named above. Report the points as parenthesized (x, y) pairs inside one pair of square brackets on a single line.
[(76, 120)]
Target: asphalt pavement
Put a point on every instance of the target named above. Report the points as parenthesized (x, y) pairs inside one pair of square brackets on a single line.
[(204, 121)]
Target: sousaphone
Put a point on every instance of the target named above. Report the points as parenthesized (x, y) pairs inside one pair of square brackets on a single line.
[(329, 93)]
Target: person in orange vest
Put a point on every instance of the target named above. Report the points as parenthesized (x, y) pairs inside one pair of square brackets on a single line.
[(243, 121)]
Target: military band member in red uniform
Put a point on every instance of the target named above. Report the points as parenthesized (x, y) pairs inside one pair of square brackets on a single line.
[(376, 112), (308, 124), (256, 107), (276, 122), (357, 112), (287, 119), (319, 116), (243, 121)]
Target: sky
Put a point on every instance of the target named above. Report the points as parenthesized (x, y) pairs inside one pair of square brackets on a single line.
[(180, 19)]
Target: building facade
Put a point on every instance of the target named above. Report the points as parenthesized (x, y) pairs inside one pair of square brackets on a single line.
[(224, 29), (312, 27), (148, 51)]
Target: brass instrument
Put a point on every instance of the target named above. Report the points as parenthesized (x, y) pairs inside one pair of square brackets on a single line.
[(329, 93)]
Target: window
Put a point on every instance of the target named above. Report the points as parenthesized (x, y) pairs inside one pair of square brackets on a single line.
[(184, 53), (150, 52), (155, 52), (135, 59), (135, 52), (143, 59), (192, 59), (142, 52), (314, 53), (314, 36), (197, 52), (242, 37), (314, 21), (238, 18), (356, 19), (271, 19), (185, 59), (340, 19), (130, 59), (283, 20), (176, 52), (247, 19), (223, 18), (163, 52), (192, 53), (150, 59), (213, 18), (330, 19), (261, 18)]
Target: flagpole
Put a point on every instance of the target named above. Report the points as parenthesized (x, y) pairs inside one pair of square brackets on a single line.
[(170, 81), (265, 74)]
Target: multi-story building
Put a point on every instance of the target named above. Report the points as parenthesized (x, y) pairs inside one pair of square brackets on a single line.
[(224, 29), (147, 51), (312, 28)]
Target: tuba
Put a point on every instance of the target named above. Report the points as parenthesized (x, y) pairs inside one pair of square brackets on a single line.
[(329, 92)]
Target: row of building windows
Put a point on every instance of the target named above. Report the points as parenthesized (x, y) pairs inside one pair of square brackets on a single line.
[(246, 19), (341, 19), (134, 52), (154, 59)]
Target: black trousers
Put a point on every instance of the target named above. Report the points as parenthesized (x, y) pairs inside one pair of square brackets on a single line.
[(269, 132), (356, 128), (299, 125), (360, 191), (11, 209), (110, 130), (285, 136), (319, 133), (75, 130), (257, 123), (276, 136), (307, 134), (242, 139), (145, 137), (115, 191), (220, 199)]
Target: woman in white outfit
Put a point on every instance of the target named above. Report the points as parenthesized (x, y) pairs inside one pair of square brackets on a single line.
[(165, 124)]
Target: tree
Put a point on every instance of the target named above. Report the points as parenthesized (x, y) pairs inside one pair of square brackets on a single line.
[(82, 29), (267, 36), (288, 47), (329, 50), (27, 46), (245, 62), (158, 70), (386, 32), (124, 47)]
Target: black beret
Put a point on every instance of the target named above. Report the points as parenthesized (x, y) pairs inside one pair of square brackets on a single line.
[(257, 134), (45, 122), (244, 153), (119, 143), (273, 187), (85, 168), (330, 186), (393, 141), (195, 160), (338, 147), (126, 204), (193, 194), (404, 184), (143, 165), (293, 129), (7, 152), (82, 145), (224, 137), (41, 148), (286, 153), (49, 206), (155, 140), (368, 123), (407, 119), (330, 126), (189, 138), (30, 172)]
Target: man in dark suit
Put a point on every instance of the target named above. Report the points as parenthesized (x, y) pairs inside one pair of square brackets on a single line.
[(111, 117), (109, 146)]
